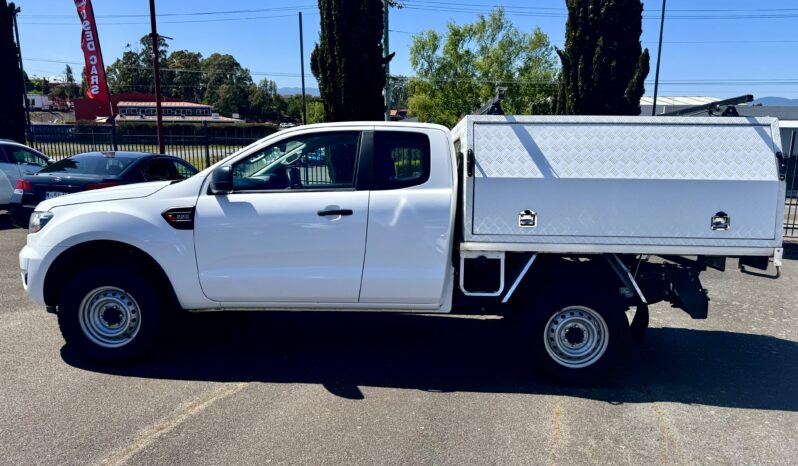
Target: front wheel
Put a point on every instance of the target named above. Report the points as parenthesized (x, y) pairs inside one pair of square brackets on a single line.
[(111, 314), (580, 340)]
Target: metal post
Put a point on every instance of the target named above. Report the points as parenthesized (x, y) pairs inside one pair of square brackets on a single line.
[(157, 79), (302, 67), (659, 57), (207, 145), (386, 52), (28, 128), (113, 129)]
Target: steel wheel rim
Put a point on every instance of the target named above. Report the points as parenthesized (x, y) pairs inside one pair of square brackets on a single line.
[(576, 337), (109, 317)]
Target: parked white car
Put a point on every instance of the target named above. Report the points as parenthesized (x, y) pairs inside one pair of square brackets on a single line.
[(16, 161)]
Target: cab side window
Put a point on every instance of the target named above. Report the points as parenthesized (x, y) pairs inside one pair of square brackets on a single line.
[(310, 162), (401, 159)]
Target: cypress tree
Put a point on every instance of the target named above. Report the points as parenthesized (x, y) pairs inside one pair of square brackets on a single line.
[(603, 64), (12, 111), (348, 60)]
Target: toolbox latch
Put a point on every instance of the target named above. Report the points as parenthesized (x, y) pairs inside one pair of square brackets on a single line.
[(527, 219)]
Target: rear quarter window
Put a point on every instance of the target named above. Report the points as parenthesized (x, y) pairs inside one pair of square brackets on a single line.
[(401, 159)]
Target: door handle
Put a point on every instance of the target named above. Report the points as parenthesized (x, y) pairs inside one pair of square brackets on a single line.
[(330, 212)]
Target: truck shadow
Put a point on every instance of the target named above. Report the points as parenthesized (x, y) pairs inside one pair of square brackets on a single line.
[(450, 354)]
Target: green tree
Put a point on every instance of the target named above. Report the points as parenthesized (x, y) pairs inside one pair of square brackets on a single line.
[(265, 104), (603, 64), (348, 60), (316, 112), (399, 92), (133, 71), (83, 88), (12, 113), (456, 73), (126, 73), (227, 84), (293, 106), (71, 89), (39, 86), (183, 76)]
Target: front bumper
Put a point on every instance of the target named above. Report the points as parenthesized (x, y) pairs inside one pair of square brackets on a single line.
[(33, 266)]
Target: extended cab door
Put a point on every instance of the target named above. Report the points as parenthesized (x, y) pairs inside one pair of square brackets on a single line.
[(293, 230), (411, 217)]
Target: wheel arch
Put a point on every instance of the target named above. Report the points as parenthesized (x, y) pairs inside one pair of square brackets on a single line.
[(81, 256)]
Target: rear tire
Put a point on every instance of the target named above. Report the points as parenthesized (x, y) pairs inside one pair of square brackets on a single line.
[(579, 339), (108, 313)]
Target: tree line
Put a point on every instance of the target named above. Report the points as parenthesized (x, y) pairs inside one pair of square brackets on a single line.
[(218, 80)]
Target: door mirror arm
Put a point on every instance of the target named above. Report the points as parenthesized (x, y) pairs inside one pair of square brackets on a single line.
[(222, 180)]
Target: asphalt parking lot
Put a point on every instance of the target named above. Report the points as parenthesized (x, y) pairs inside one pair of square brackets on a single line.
[(380, 389)]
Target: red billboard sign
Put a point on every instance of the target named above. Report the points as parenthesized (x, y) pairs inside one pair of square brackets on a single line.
[(96, 86)]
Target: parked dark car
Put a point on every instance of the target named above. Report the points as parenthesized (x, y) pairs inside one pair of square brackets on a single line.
[(92, 170)]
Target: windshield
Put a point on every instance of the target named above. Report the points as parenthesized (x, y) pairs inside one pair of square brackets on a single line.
[(91, 164)]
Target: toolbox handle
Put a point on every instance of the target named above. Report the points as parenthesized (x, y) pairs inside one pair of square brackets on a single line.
[(470, 163)]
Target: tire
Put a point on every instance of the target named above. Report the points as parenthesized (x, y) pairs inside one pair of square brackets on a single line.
[(579, 340), (110, 313)]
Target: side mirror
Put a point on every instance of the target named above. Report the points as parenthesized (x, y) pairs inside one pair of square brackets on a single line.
[(222, 180)]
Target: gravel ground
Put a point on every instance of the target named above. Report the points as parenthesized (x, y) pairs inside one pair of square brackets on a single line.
[(366, 389)]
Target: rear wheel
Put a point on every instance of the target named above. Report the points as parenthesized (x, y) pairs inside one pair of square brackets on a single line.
[(111, 314), (580, 340)]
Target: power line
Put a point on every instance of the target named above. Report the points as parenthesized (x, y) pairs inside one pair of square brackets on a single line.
[(175, 70), (438, 3), (459, 7), (213, 20), (685, 42), (196, 13)]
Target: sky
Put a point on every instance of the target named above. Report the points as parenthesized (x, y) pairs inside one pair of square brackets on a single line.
[(717, 48)]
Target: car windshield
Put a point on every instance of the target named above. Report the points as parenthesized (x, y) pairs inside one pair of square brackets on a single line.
[(91, 164)]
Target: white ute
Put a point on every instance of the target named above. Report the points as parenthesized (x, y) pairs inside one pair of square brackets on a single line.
[(548, 221)]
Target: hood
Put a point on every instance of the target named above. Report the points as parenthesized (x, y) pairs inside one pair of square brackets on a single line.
[(129, 191)]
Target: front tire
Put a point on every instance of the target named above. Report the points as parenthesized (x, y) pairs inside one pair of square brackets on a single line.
[(108, 313), (580, 340)]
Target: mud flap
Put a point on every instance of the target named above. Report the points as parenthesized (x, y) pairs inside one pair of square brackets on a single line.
[(637, 330), (687, 293)]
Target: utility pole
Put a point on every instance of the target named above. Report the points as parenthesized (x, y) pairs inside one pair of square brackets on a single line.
[(28, 128), (386, 53), (302, 68), (157, 79), (659, 57)]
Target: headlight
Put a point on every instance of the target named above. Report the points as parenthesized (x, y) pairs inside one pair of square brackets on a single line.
[(38, 220)]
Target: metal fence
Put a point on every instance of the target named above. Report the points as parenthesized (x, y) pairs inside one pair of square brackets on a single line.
[(200, 145), (791, 206)]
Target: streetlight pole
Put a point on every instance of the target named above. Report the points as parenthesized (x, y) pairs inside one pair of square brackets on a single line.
[(157, 79), (386, 54), (302, 68), (659, 57)]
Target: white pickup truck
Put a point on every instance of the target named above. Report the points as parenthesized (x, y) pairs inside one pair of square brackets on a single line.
[(547, 221)]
